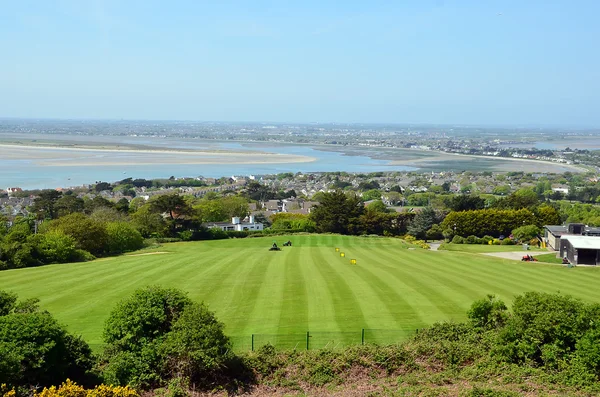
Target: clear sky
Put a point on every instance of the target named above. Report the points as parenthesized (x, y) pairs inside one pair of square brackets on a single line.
[(522, 62)]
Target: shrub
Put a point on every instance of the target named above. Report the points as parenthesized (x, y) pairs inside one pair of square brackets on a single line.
[(72, 389), (486, 239), (159, 334), (196, 344), (507, 241), (488, 313), (458, 240), (526, 233), (36, 350), (472, 240), (148, 314), (123, 237), (89, 235)]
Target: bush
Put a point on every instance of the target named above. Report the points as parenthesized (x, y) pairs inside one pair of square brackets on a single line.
[(36, 350), (507, 241), (159, 334), (196, 344), (72, 389), (148, 314), (488, 313), (526, 233), (123, 237), (472, 240), (458, 240), (89, 235), (486, 239)]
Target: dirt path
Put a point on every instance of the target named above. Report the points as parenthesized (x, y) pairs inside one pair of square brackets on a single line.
[(516, 255)]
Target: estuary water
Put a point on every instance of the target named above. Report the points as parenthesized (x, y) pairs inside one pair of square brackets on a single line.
[(28, 171)]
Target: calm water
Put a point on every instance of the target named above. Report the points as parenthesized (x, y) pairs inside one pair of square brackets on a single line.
[(27, 174)]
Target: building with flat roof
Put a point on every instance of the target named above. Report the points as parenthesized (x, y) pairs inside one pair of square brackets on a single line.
[(553, 233), (236, 225), (580, 250)]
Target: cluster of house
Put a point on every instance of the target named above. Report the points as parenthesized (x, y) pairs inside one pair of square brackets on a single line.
[(578, 243), (269, 207), (12, 206)]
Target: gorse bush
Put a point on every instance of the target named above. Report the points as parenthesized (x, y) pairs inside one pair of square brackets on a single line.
[(72, 389)]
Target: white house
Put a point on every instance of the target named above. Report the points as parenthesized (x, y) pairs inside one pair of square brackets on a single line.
[(237, 225)]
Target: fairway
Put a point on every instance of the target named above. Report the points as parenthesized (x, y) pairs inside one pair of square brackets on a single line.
[(307, 287)]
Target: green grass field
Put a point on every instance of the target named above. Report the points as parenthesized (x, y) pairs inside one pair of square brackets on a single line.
[(307, 287), (482, 248)]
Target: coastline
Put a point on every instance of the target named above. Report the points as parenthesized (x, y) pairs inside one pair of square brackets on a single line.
[(544, 164), (46, 155)]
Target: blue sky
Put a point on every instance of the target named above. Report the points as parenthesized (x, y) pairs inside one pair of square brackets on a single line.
[(431, 61)]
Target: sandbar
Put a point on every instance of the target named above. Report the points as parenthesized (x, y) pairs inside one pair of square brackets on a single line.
[(77, 156)]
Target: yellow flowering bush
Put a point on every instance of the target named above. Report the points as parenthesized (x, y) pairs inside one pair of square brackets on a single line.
[(6, 392), (72, 389)]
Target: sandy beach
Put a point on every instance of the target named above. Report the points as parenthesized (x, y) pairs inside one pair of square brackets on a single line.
[(503, 164), (54, 156)]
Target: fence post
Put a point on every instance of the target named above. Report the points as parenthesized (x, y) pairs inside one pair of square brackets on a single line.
[(307, 336), (252, 342), (362, 337)]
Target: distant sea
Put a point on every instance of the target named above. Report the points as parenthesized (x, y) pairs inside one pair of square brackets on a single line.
[(26, 174)]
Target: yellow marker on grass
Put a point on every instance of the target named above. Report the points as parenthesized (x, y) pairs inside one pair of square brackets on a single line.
[(342, 254), (353, 261)]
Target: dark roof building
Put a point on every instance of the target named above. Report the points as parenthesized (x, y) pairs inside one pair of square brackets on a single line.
[(553, 233)]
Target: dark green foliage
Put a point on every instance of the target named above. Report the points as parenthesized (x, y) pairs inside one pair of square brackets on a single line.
[(148, 314), (337, 213), (123, 237), (488, 313), (544, 328), (36, 350), (68, 204), (465, 202), (89, 235), (525, 233), (159, 334), (44, 204), (422, 222), (196, 344), (491, 222), (8, 301)]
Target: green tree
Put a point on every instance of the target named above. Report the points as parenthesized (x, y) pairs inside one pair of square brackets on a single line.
[(526, 233), (96, 203), (173, 205), (422, 222), (43, 204), (377, 206), (488, 313), (149, 223), (465, 202), (196, 344), (89, 235), (68, 204), (36, 351), (373, 194), (143, 317), (123, 237), (337, 213), (57, 247)]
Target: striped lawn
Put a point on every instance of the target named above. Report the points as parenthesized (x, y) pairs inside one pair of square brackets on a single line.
[(305, 287)]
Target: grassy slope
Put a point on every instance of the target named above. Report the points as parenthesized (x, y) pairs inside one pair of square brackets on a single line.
[(306, 287)]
